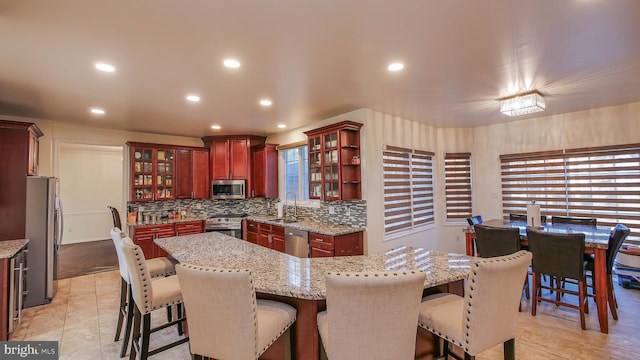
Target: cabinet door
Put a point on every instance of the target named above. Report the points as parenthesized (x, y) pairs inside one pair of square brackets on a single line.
[(184, 174), (264, 239), (220, 160), (317, 251), (259, 186), (239, 159), (265, 171), (142, 164), (200, 174), (164, 174), (315, 168), (188, 228), (278, 242), (145, 241), (165, 231), (34, 150)]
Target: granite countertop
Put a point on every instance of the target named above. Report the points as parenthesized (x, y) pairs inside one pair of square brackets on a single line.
[(9, 248), (311, 226), (169, 221), (286, 275)]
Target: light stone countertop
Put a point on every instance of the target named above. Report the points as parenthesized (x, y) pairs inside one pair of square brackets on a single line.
[(9, 248), (281, 274), (325, 228)]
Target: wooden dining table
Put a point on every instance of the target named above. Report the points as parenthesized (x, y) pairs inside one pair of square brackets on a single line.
[(596, 243)]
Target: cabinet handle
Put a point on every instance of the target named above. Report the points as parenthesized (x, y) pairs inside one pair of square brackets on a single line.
[(270, 238), (193, 194)]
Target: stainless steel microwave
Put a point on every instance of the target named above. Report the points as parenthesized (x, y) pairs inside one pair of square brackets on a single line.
[(228, 189)]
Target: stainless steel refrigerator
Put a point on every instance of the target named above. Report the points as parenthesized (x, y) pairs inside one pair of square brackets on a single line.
[(44, 230)]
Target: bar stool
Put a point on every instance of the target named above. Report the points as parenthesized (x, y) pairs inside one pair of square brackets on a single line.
[(158, 267), (149, 294), (226, 321), (371, 315), (486, 315)]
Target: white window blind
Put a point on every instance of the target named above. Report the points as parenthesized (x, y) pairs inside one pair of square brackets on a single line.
[(457, 183), (597, 182), (408, 188)]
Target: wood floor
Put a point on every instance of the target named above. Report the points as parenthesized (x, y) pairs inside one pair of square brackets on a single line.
[(86, 258), (83, 315)]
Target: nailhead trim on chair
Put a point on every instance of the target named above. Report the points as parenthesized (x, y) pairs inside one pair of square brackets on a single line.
[(476, 264), (255, 305)]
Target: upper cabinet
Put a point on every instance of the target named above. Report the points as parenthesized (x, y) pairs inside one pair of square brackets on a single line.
[(265, 171), (334, 162), (192, 172), (152, 172), (230, 157)]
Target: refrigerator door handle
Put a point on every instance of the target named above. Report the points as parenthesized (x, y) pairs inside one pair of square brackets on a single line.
[(60, 226)]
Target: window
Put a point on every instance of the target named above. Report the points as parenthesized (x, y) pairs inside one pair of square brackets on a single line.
[(296, 171), (408, 188), (602, 182), (457, 185)]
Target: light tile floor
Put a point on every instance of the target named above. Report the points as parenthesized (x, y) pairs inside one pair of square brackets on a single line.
[(83, 315)]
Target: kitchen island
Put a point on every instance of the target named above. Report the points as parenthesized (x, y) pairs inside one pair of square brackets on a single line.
[(300, 281)]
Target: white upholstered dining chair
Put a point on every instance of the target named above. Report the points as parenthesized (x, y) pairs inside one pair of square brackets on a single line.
[(371, 315), (486, 315)]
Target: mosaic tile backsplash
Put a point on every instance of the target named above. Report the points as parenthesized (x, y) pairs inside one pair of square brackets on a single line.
[(344, 212)]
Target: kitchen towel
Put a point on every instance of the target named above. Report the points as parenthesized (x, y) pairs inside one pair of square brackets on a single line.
[(533, 215)]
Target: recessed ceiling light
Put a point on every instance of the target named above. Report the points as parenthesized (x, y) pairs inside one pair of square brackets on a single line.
[(215, 127), (265, 102), (282, 126), (232, 63), (105, 67), (193, 98), (97, 111), (395, 66)]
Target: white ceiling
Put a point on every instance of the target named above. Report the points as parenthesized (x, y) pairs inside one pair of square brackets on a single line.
[(313, 58)]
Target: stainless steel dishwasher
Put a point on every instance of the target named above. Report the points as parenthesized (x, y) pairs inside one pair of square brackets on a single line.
[(296, 242)]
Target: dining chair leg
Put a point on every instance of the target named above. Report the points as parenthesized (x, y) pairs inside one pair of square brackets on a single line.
[(558, 293), (127, 326), (535, 279), (510, 349), (582, 294), (146, 332), (445, 353), (179, 314), (135, 337), (526, 287), (613, 304), (122, 308)]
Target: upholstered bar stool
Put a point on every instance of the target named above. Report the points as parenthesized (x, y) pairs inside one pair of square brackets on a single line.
[(226, 321), (371, 315), (486, 316), (158, 267), (149, 294)]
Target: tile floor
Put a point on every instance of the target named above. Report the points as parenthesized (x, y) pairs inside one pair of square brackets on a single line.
[(83, 315)]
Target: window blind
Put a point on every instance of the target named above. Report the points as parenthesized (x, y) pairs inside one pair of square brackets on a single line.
[(598, 182), (457, 183), (408, 188)]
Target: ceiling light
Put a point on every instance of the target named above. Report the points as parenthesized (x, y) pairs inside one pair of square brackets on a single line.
[(265, 102), (97, 111), (232, 63), (522, 104), (105, 67), (282, 126), (193, 98), (395, 67), (215, 127)]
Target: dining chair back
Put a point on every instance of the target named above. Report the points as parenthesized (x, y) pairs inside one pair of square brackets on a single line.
[(371, 315), (475, 220), (487, 314), (115, 216), (494, 241), (574, 220), (560, 256), (226, 321), (523, 218)]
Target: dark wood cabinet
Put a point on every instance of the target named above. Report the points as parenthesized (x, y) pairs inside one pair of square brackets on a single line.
[(321, 245), (334, 162), (265, 171), (230, 157), (189, 228), (19, 154), (192, 174), (145, 234), (152, 172), (269, 236)]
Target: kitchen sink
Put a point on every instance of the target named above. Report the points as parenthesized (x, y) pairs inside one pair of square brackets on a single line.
[(284, 221)]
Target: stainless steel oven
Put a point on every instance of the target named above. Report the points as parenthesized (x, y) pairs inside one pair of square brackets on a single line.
[(228, 224)]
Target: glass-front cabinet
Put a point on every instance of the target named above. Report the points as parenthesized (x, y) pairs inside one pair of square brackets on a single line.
[(152, 171), (334, 162)]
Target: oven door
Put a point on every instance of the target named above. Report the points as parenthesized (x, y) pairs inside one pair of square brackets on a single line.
[(237, 233)]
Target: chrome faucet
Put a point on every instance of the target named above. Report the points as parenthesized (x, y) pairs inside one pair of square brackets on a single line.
[(295, 205)]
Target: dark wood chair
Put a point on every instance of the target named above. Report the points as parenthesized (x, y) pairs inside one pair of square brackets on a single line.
[(574, 220), (559, 256), (618, 235), (115, 215), (523, 218), (475, 220)]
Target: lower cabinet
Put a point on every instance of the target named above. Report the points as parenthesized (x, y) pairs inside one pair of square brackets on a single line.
[(269, 236), (321, 245), (144, 235)]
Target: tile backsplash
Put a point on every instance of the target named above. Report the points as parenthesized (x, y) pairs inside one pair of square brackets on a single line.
[(337, 212)]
